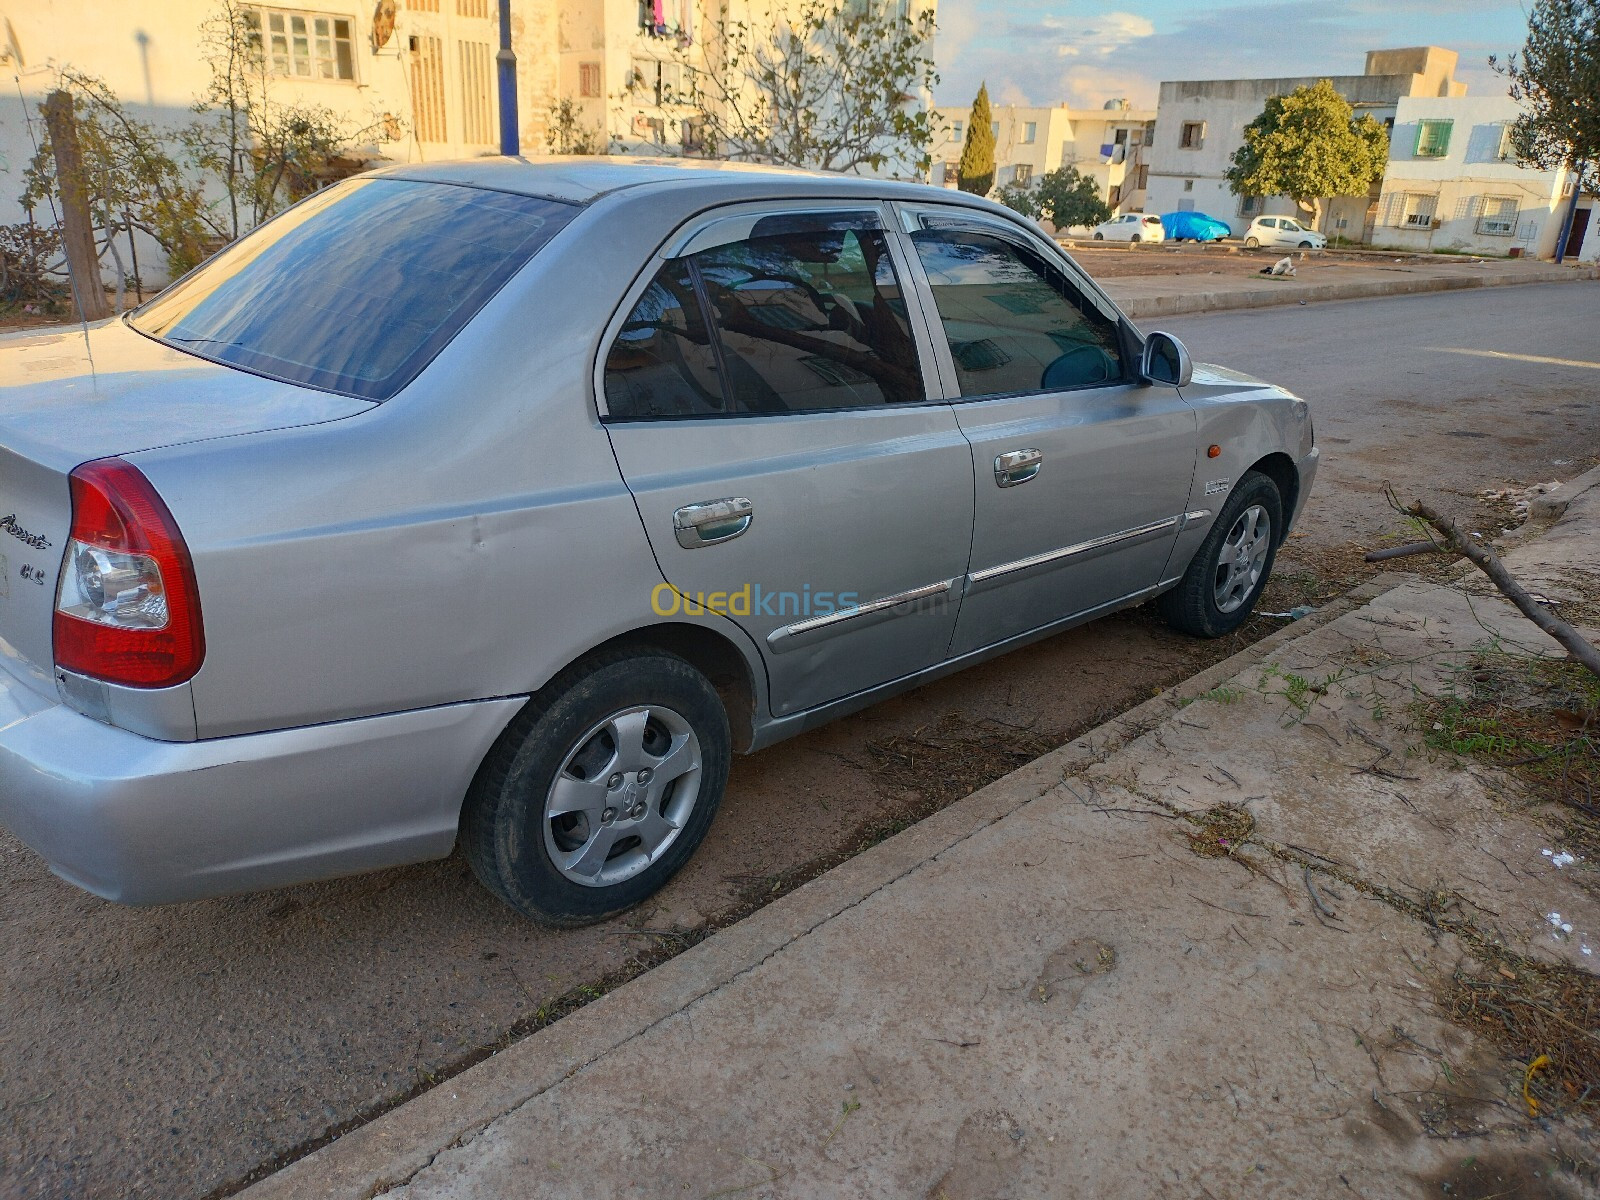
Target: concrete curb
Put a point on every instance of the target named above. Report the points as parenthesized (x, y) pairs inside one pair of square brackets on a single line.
[(391, 1149), (1287, 293), (1550, 507)]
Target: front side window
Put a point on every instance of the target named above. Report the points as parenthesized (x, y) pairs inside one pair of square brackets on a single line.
[(805, 315), (1015, 323), (304, 44), (357, 288)]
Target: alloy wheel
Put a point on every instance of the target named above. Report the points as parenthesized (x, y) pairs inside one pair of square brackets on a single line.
[(1242, 558)]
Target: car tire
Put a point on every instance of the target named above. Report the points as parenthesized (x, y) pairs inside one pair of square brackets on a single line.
[(1099, 237), (1221, 586), (1251, 243), (1305, 245), (1136, 238), (573, 817)]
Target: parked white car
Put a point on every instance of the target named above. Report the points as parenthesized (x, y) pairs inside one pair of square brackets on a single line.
[(1283, 231), (1130, 227)]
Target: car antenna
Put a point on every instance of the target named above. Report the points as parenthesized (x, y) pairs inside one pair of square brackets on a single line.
[(77, 300)]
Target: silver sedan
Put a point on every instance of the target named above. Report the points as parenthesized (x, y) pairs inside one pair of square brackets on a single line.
[(502, 502)]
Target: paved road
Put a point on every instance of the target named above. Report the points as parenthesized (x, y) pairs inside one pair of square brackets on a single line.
[(166, 1052)]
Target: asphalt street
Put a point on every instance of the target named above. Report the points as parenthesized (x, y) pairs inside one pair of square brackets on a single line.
[(169, 1052)]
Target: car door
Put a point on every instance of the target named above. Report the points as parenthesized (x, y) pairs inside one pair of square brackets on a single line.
[(783, 435), (1081, 474)]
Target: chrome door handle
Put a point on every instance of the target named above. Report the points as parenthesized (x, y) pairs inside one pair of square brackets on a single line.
[(1017, 466), (714, 521)]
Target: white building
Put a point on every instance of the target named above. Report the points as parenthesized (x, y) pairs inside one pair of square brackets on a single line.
[(1453, 184), (1200, 123), (1108, 144)]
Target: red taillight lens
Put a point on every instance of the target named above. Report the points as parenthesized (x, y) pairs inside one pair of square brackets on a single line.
[(128, 608)]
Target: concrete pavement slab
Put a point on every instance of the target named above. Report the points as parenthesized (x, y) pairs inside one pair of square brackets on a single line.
[(1054, 988)]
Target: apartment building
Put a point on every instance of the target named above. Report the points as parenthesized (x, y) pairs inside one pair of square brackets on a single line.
[(1200, 123), (1109, 144), (1452, 182)]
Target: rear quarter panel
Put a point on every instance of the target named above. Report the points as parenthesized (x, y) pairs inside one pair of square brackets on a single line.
[(466, 539)]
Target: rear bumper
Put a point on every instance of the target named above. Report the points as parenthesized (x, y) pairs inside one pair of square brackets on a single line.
[(146, 822)]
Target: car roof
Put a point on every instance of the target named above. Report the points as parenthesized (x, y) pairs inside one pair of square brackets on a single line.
[(583, 178)]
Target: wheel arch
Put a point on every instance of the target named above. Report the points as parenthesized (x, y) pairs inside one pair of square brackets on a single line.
[(1280, 468), (715, 655)]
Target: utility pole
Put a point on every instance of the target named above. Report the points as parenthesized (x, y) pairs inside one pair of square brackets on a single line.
[(77, 228), (507, 60)]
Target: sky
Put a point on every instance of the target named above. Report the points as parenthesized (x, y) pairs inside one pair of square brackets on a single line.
[(1084, 52)]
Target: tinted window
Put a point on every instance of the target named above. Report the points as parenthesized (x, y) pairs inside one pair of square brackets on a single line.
[(810, 319), (357, 288), (1014, 322), (662, 363)]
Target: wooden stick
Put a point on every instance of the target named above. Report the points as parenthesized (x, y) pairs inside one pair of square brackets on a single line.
[(1489, 563)]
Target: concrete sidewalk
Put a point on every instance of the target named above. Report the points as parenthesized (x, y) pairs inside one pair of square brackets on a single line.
[(1061, 987), (1164, 295)]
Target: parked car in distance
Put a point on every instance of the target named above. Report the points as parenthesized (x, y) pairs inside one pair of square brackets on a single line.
[(1129, 227), (1193, 227), (499, 503), (1283, 231)]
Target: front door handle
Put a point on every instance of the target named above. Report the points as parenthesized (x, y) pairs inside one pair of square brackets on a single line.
[(714, 521), (1017, 466)]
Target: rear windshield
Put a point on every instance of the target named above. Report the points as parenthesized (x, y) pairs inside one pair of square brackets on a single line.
[(356, 289)]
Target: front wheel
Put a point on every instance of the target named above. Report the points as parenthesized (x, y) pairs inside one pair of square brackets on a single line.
[(1099, 237), (1228, 572), (1305, 245), (1251, 243), (1136, 238), (600, 789)]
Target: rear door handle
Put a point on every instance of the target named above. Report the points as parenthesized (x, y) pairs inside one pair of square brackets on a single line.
[(1017, 466), (714, 521)]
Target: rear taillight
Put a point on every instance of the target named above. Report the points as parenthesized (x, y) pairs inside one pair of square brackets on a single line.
[(128, 609)]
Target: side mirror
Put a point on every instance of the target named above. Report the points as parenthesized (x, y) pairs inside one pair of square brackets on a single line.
[(1166, 361)]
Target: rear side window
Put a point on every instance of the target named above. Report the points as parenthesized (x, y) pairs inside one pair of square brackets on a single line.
[(805, 315), (356, 289), (1014, 322)]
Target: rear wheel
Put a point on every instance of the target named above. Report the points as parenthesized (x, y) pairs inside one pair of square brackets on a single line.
[(1099, 237), (600, 789), (1252, 243), (1228, 572), (1136, 238)]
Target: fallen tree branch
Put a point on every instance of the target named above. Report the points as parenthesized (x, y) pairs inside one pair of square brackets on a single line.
[(1486, 560)]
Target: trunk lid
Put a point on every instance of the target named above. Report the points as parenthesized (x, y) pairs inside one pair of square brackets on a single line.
[(66, 398)]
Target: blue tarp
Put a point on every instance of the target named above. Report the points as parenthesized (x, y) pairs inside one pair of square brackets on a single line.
[(1183, 225)]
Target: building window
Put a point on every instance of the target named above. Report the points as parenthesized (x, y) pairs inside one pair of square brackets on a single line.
[(957, 129), (1249, 206), (422, 5), (994, 129), (694, 137), (1022, 173), (660, 81), (1188, 185), (1192, 136), (589, 80), (477, 115), (1499, 217), (473, 8), (1150, 134), (1505, 150), (1141, 177), (1433, 139), (1030, 130), (427, 89), (303, 44), (1409, 210), (1116, 195)]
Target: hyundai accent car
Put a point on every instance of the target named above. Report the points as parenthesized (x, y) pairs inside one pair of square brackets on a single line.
[(499, 503)]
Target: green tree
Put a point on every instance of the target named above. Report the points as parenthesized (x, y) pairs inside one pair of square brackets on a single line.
[(1309, 146), (976, 172), (1019, 197), (834, 85), (1557, 79), (1067, 198)]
